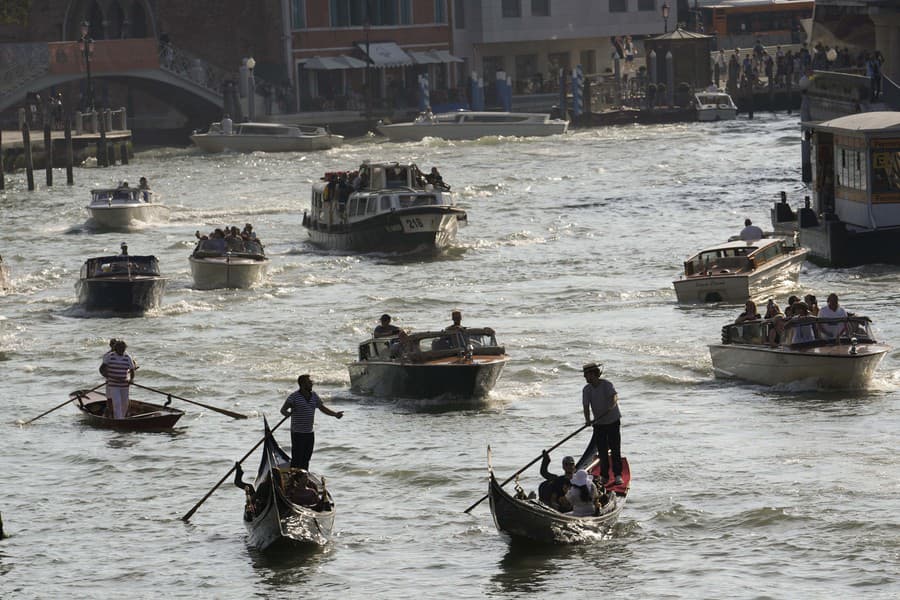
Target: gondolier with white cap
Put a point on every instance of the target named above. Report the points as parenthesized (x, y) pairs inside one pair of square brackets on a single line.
[(600, 397), (301, 406)]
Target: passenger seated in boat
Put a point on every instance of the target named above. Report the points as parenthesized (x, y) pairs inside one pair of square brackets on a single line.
[(801, 326), (299, 489), (404, 347), (749, 314), (771, 310), (552, 490), (583, 495), (384, 328), (248, 232), (776, 330)]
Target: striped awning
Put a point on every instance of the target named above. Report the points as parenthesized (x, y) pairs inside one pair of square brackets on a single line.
[(386, 54), (333, 63), (434, 57)]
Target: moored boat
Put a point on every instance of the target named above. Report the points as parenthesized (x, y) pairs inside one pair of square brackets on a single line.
[(471, 125), (738, 270), (461, 363), (141, 416), (714, 106), (118, 208), (382, 207), (123, 283), (521, 517), (271, 515), (822, 352), (227, 263), (266, 137)]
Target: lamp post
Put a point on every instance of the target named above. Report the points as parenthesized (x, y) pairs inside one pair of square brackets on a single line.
[(88, 49), (251, 89), (665, 15)]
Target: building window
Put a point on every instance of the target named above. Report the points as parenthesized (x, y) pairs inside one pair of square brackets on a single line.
[(353, 13), (647, 5), (459, 14), (618, 6), (512, 8), (298, 14), (440, 11), (540, 8)]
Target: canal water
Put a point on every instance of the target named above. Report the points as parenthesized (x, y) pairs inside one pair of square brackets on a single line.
[(572, 244)]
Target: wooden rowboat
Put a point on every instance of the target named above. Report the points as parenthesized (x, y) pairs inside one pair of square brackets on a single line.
[(521, 517), (272, 519), (142, 416)]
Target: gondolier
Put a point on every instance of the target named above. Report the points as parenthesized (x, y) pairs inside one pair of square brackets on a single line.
[(601, 397), (301, 406), (118, 368)]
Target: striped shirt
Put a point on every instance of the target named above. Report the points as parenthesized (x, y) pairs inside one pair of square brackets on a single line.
[(117, 368), (303, 411)]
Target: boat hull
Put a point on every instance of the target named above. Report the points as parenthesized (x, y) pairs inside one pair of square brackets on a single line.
[(142, 416), (716, 114), (226, 272), (404, 380), (121, 294), (410, 132), (119, 217), (830, 366), (532, 521), (262, 143), (740, 287), (428, 227)]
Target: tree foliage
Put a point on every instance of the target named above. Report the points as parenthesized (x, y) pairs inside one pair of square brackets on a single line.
[(14, 12)]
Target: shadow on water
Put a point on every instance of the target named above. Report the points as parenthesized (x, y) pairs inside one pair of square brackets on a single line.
[(287, 565)]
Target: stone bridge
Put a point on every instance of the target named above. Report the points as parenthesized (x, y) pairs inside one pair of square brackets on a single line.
[(186, 81)]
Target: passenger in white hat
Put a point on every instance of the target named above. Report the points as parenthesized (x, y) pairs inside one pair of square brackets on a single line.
[(582, 495)]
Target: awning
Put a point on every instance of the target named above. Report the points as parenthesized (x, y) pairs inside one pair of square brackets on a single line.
[(433, 57), (332, 63), (445, 56), (386, 54)]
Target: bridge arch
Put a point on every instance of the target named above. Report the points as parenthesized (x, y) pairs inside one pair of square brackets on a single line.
[(110, 19)]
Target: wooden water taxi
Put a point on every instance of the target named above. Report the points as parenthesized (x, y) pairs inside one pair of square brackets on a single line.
[(266, 137), (123, 283), (471, 125), (120, 208)]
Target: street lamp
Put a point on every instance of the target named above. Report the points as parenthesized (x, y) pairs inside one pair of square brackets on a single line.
[(88, 49), (251, 88), (665, 14)]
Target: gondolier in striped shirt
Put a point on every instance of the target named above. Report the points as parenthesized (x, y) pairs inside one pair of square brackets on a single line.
[(118, 368), (301, 406)]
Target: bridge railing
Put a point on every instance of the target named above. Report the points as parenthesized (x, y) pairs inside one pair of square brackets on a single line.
[(189, 66)]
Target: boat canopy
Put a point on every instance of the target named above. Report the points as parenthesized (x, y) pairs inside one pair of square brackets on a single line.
[(121, 264), (120, 195), (736, 256)]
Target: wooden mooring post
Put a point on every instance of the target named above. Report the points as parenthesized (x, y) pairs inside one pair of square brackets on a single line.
[(48, 154), (102, 156), (2, 177), (70, 153), (29, 162), (123, 147)]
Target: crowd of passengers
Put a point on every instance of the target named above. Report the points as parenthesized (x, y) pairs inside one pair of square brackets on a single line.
[(230, 239), (575, 492), (797, 311), (342, 184)]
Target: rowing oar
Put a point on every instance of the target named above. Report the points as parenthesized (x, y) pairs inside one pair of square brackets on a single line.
[(540, 456), (187, 516), (63, 404), (233, 415)]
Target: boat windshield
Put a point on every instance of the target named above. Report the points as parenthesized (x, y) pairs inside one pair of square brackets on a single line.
[(723, 261), (801, 331), (121, 265)]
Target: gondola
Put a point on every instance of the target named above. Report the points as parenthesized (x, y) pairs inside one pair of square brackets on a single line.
[(142, 416), (271, 518), (521, 517)]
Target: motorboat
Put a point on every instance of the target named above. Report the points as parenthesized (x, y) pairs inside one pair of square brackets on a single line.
[(273, 516), (738, 270), (227, 263), (471, 125), (118, 208), (141, 416), (521, 517), (266, 137), (826, 353), (122, 283), (714, 106), (459, 363), (382, 207)]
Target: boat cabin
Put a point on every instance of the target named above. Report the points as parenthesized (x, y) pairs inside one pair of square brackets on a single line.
[(430, 345), (119, 265), (802, 332), (713, 100), (120, 195), (346, 197), (214, 247), (853, 167), (736, 257)]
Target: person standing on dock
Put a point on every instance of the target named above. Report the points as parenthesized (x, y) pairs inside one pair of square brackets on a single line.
[(600, 397), (301, 407), (118, 368)]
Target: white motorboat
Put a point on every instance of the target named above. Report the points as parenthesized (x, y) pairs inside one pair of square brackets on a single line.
[(471, 125), (266, 137), (118, 208), (227, 263), (382, 207), (714, 106), (738, 270), (827, 353)]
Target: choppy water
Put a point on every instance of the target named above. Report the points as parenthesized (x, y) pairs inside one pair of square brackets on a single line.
[(739, 491)]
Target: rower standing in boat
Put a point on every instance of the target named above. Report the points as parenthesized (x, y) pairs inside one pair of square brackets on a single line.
[(301, 406), (601, 397), (118, 368)]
